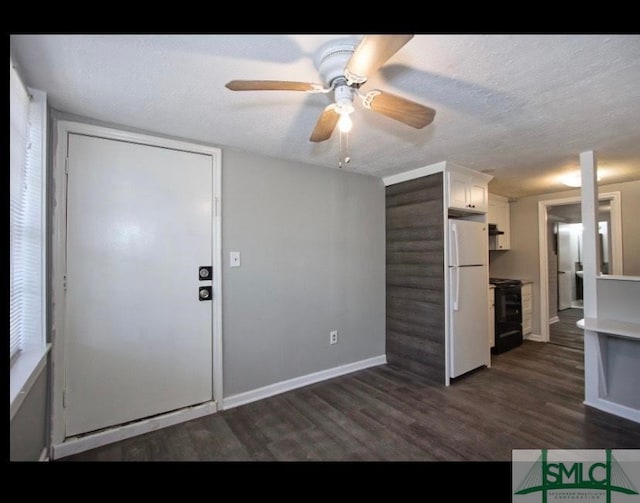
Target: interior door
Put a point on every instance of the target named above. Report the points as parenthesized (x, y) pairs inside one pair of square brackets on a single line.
[(138, 337)]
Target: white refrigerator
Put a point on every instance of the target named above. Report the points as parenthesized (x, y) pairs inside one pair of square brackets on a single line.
[(468, 296)]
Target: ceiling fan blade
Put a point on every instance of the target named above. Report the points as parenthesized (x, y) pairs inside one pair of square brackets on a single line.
[(372, 52), (269, 85), (406, 111), (325, 125)]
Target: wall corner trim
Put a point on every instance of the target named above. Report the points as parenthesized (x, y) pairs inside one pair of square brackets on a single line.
[(299, 382), (534, 338)]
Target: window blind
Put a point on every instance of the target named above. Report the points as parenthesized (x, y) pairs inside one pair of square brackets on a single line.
[(26, 239)]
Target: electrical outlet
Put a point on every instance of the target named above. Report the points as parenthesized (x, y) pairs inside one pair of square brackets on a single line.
[(333, 337)]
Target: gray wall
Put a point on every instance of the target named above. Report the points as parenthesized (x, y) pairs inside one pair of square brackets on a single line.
[(630, 193), (312, 244), (28, 429), (522, 261)]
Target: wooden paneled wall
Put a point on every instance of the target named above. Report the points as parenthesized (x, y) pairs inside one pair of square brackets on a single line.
[(415, 276)]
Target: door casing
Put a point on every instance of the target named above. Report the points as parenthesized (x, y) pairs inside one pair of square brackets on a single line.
[(616, 251)]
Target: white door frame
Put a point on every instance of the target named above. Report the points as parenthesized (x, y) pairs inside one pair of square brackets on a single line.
[(60, 445), (616, 248)]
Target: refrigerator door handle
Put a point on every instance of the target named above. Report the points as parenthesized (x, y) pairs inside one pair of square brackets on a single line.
[(454, 244), (456, 282)]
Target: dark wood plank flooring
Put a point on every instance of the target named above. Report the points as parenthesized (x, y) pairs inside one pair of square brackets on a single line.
[(565, 332), (530, 398)]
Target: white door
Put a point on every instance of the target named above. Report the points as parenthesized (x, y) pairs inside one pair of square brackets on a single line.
[(138, 339), (565, 267)]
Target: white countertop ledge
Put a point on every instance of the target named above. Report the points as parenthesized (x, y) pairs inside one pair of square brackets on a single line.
[(613, 327), (618, 277)]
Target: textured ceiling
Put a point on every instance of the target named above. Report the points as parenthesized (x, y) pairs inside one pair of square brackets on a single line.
[(520, 107)]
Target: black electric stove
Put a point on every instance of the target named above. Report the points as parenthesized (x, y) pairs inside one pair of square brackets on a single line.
[(505, 282), (508, 314)]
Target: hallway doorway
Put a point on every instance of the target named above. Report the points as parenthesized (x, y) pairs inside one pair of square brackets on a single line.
[(552, 213)]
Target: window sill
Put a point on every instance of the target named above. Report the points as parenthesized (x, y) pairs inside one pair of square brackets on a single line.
[(23, 374)]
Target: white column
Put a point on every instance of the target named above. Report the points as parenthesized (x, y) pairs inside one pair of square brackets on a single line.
[(591, 250), (591, 268)]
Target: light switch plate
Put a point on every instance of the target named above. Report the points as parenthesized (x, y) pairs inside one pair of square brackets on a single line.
[(234, 259)]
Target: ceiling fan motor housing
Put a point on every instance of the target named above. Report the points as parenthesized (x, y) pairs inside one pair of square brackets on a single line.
[(343, 96), (332, 58)]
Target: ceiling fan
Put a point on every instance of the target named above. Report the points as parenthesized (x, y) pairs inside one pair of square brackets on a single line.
[(344, 66)]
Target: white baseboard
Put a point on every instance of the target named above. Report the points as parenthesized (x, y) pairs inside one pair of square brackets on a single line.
[(75, 445), (298, 382), (44, 455), (553, 320), (534, 337), (615, 408)]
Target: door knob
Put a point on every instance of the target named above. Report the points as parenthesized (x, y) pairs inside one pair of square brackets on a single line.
[(205, 272)]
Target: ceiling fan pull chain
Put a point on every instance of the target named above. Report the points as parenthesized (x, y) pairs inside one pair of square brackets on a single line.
[(343, 156), (346, 150)]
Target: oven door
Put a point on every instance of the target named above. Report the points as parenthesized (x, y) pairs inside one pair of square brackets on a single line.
[(508, 305)]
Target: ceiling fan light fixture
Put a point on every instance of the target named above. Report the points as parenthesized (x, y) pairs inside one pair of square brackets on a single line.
[(344, 122), (344, 65)]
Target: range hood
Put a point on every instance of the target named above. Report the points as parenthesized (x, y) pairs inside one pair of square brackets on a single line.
[(493, 230)]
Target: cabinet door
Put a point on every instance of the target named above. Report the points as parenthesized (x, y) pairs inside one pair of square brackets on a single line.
[(458, 188), (492, 213), (504, 224), (478, 195)]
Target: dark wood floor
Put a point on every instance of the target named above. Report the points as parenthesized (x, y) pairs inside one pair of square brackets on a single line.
[(530, 398), (565, 332)]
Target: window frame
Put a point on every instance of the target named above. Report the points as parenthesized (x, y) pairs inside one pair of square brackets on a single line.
[(27, 364)]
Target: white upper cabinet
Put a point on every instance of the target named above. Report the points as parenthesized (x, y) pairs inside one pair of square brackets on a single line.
[(458, 190), (499, 214), (467, 189), (478, 193)]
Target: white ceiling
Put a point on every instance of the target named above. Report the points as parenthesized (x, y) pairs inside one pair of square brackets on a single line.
[(521, 107)]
